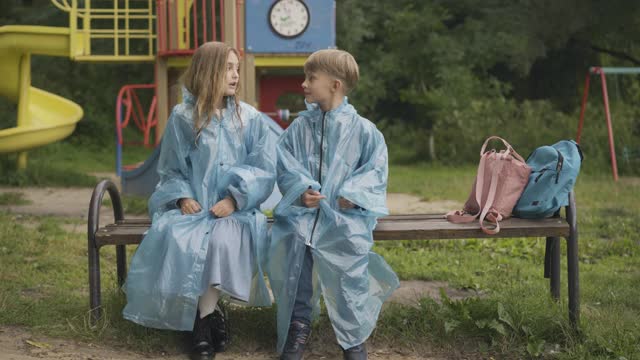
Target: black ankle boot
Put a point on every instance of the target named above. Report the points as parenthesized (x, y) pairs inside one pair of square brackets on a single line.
[(297, 338), (220, 329), (355, 353), (202, 341)]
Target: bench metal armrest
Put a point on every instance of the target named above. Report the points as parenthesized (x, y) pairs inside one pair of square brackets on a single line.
[(94, 248), (95, 204)]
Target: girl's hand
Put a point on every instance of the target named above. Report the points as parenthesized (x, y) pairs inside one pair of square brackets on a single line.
[(224, 207), (345, 204), (311, 198), (188, 206)]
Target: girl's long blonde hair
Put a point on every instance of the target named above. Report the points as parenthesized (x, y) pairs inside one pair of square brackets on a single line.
[(205, 79)]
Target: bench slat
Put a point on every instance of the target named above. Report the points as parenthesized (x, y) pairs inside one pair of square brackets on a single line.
[(397, 227), (442, 229), (147, 221)]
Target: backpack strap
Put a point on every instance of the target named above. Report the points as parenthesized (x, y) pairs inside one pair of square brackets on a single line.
[(459, 217), (510, 149), (487, 212), (462, 216)]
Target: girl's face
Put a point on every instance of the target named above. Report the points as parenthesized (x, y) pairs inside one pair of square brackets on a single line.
[(318, 87), (232, 75)]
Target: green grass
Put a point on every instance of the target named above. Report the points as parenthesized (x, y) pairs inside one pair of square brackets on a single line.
[(43, 284), (42, 174), (13, 198), (131, 204), (432, 182), (64, 164), (509, 274)]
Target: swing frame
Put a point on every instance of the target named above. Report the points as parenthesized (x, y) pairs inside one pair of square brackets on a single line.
[(602, 72)]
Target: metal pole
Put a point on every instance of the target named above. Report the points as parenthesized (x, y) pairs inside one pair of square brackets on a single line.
[(607, 113), (583, 107)]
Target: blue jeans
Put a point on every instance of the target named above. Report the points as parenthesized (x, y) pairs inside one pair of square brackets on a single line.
[(302, 307)]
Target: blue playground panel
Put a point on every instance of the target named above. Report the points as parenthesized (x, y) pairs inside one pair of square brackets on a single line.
[(320, 34)]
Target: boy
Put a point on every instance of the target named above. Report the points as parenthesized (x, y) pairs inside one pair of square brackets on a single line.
[(332, 170)]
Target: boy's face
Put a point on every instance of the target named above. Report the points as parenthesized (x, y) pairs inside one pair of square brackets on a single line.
[(320, 87), (232, 76)]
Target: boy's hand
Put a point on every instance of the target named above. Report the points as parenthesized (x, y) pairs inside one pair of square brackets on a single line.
[(311, 198), (224, 207), (345, 204), (188, 206)]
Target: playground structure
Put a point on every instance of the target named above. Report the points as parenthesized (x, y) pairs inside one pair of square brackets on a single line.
[(602, 73), (43, 117), (164, 33)]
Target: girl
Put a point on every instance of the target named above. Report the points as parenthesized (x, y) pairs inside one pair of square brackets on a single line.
[(208, 238)]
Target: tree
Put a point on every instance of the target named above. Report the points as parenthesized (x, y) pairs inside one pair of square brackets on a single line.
[(427, 64)]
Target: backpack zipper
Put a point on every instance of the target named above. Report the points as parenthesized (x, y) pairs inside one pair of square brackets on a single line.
[(559, 165), (542, 171), (315, 222)]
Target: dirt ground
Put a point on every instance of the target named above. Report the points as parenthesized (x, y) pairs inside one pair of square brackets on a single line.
[(19, 344)]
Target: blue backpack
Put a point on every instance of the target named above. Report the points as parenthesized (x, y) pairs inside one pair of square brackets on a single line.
[(554, 170)]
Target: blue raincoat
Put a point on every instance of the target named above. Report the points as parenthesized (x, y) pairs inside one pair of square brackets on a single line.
[(353, 280), (164, 280)]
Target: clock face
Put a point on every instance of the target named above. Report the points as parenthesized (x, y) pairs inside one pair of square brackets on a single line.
[(289, 18)]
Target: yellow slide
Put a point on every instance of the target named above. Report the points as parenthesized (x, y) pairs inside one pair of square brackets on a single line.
[(43, 117)]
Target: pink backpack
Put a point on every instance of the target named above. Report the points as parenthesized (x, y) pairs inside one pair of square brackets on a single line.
[(501, 179)]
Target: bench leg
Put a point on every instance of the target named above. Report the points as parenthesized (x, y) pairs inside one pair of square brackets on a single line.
[(573, 278), (572, 264), (552, 266), (94, 284), (121, 262)]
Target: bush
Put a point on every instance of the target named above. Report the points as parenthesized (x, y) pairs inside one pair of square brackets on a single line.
[(526, 125)]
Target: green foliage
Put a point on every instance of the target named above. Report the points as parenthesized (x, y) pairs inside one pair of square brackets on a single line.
[(459, 71), (451, 71), (94, 87)]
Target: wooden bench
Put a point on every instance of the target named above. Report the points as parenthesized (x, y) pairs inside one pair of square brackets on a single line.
[(396, 227)]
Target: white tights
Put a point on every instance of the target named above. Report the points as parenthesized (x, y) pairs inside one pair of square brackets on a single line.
[(208, 301)]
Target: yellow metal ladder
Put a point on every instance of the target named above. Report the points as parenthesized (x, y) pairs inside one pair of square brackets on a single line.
[(111, 30)]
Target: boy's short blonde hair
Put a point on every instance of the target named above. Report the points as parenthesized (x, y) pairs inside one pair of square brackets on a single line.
[(337, 63)]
